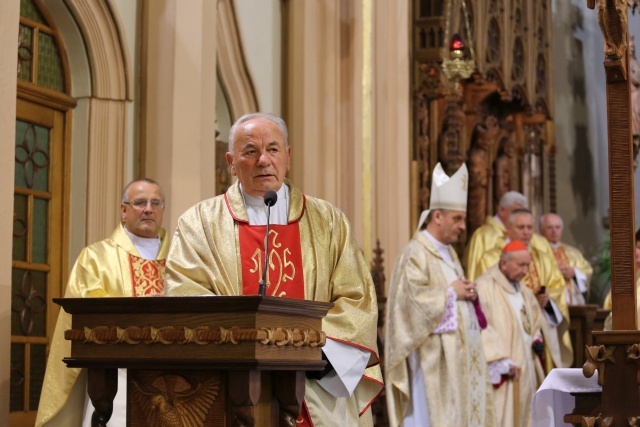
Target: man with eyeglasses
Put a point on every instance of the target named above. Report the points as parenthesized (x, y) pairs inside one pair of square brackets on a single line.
[(313, 255), (130, 263)]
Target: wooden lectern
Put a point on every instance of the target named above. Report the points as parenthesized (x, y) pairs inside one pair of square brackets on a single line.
[(197, 361)]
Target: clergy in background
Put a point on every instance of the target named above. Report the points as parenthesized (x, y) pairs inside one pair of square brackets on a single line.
[(512, 340), (130, 263), (218, 247), (545, 280), (436, 372), (492, 235), (575, 269)]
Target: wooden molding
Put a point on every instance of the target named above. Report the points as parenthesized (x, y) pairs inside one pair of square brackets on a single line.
[(232, 69), (107, 52), (203, 335)]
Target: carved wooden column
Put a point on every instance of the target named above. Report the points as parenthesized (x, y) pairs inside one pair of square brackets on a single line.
[(289, 390), (244, 393), (616, 357), (102, 388)]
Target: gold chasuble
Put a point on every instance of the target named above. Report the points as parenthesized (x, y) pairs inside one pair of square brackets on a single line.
[(109, 268), (569, 256), (313, 257), (453, 366), (492, 235)]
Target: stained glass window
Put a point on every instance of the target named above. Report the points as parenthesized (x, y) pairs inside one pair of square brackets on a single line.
[(37, 40)]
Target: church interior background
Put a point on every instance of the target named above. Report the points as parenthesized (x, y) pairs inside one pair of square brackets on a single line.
[(110, 90)]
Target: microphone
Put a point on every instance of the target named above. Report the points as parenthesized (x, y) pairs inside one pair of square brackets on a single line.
[(270, 199)]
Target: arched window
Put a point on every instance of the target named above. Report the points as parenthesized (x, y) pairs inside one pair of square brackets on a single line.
[(41, 147)]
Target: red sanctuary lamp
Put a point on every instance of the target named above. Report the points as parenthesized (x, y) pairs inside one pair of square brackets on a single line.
[(456, 67), (456, 47)]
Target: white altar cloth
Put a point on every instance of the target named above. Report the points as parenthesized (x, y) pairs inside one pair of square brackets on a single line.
[(553, 400)]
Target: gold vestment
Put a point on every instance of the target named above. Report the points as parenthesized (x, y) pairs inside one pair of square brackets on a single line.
[(205, 259), (569, 256), (507, 336), (103, 269), (457, 385)]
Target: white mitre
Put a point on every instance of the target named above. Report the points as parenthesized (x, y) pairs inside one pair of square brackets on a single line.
[(447, 192)]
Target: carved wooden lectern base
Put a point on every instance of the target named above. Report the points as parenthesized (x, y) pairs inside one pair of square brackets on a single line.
[(197, 361), (616, 361)]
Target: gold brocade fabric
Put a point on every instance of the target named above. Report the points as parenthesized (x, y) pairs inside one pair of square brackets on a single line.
[(504, 337), (103, 269), (544, 271), (457, 387), (569, 256), (488, 237), (205, 259)]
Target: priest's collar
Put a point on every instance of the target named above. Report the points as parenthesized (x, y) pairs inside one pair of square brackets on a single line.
[(443, 249), (235, 200), (257, 210), (148, 248), (497, 218), (554, 245)]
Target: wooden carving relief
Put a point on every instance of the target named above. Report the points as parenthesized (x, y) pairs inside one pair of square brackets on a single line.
[(612, 18), (451, 137), (202, 335), (428, 89), (484, 138), (597, 421), (498, 120), (175, 399)]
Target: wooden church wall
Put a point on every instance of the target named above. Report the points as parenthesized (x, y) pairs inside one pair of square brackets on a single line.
[(499, 120)]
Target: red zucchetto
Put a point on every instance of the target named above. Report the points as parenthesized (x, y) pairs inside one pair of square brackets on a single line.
[(514, 246)]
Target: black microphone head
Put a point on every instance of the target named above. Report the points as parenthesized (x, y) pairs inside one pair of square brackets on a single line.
[(270, 198)]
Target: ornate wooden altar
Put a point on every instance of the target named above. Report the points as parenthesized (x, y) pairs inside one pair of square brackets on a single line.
[(197, 361)]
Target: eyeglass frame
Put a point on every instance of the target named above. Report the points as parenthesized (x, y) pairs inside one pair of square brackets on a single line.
[(136, 203)]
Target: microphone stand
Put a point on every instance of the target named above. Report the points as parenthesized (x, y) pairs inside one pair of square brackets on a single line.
[(262, 289)]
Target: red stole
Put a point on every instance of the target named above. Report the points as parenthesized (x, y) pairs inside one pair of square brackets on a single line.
[(284, 270), (147, 276)]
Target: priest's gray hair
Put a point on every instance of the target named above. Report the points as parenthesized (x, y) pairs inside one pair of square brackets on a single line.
[(266, 116), (517, 212), (543, 217), (511, 198), (147, 180)]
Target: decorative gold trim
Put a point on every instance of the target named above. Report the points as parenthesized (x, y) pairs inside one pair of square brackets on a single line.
[(597, 356), (202, 335)]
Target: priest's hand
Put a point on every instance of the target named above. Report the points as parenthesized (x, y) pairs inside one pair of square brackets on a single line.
[(465, 289), (514, 372), (568, 272)]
